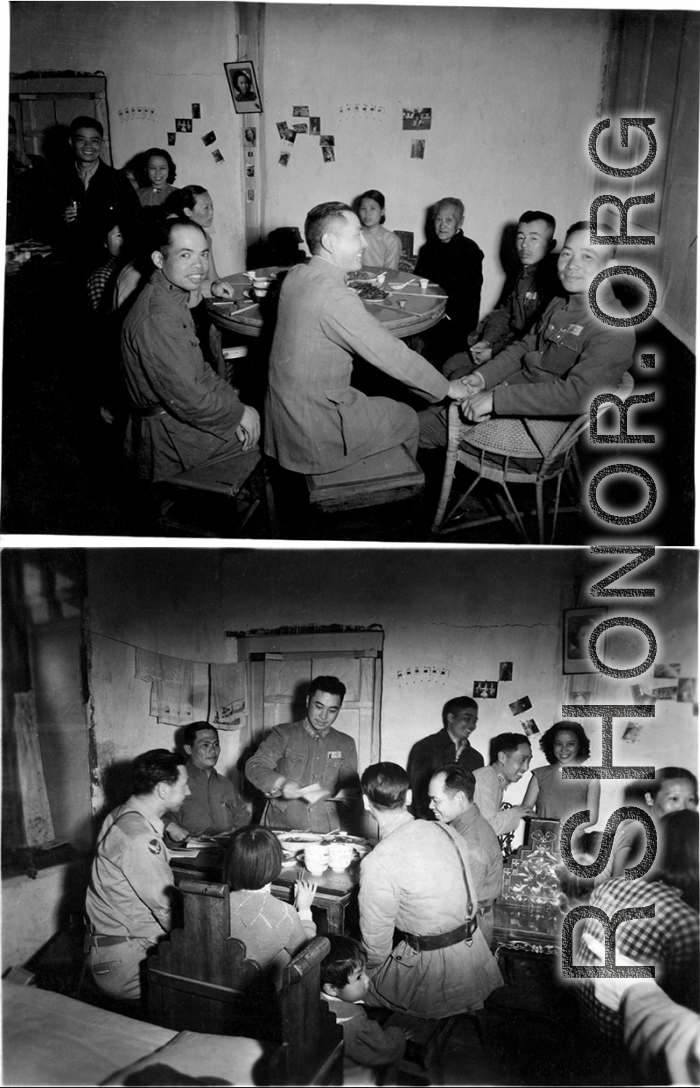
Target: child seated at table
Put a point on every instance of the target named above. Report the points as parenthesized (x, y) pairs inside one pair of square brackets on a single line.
[(383, 247), (271, 930), (344, 984)]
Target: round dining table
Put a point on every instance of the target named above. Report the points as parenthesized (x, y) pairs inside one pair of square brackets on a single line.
[(405, 311)]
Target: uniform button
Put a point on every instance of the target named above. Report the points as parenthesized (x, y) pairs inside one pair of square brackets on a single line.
[(551, 327)]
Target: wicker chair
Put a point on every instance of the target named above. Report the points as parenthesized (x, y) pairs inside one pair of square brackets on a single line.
[(547, 444)]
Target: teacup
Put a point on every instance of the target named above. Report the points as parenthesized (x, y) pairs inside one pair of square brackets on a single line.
[(316, 857), (340, 855)]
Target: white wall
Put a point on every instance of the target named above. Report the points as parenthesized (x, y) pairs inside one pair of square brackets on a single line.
[(514, 95), (160, 55)]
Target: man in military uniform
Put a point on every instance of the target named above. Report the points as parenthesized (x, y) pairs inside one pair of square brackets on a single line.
[(298, 766), (214, 804), (129, 899), (450, 745)]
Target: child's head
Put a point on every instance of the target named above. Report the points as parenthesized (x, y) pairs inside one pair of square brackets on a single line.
[(673, 788), (565, 743), (535, 237), (343, 972), (580, 262), (253, 858)]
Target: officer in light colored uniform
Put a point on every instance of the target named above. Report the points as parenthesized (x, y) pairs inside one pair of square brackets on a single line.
[(130, 897)]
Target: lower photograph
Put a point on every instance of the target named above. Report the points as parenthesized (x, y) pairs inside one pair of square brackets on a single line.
[(366, 816)]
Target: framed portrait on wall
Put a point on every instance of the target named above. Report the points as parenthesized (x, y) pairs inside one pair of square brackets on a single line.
[(578, 624), (243, 86)]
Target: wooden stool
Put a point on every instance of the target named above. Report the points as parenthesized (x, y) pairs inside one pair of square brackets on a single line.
[(389, 476), (224, 495)]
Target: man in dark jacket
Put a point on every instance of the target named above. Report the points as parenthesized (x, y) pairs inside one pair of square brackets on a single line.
[(449, 745)]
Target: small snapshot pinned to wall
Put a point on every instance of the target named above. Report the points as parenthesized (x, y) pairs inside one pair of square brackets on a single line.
[(250, 171), (286, 133), (171, 139), (209, 138), (688, 691), (632, 732), (250, 154), (422, 674), (250, 195), (667, 672), (417, 119), (284, 158), (530, 727), (196, 111), (314, 126), (486, 689), (301, 129), (136, 113), (250, 136), (667, 692), (217, 156), (300, 111), (417, 149), (505, 670), (520, 706), (183, 124), (327, 141), (328, 154)]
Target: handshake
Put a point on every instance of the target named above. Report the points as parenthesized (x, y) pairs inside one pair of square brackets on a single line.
[(476, 405)]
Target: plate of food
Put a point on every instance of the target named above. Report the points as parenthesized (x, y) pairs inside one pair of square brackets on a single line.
[(357, 279), (369, 292)]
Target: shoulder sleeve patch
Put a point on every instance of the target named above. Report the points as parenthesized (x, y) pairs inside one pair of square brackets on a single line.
[(155, 846)]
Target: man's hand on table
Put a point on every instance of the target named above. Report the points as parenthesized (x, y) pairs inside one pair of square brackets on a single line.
[(222, 289), (176, 833), (481, 352), (248, 430)]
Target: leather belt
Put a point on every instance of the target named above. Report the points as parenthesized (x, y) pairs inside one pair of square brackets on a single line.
[(147, 413), (484, 908), (441, 940), (97, 941)]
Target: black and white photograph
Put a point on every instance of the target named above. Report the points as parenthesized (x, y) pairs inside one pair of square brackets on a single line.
[(417, 118), (159, 697), (243, 86), (578, 625), (518, 706)]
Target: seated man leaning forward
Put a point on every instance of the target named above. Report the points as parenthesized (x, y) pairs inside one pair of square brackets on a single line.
[(525, 294), (129, 899), (299, 766), (558, 368), (452, 800), (214, 804), (513, 754), (181, 414), (315, 420), (417, 880), (450, 745)]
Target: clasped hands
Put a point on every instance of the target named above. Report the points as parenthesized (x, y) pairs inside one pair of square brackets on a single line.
[(476, 405)]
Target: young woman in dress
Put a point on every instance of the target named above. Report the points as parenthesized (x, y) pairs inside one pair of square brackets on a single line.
[(383, 247)]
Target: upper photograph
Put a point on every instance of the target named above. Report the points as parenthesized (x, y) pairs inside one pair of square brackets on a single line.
[(442, 294)]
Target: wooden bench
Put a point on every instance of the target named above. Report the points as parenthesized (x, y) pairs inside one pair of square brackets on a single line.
[(389, 476)]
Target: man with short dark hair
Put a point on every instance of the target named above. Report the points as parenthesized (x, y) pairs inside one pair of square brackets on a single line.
[(524, 297), (130, 896), (298, 767), (82, 195), (214, 805), (316, 421), (449, 745), (512, 754), (417, 880), (181, 413), (451, 794)]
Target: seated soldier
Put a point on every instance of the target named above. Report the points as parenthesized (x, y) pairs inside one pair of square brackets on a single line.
[(525, 295), (181, 414), (556, 370), (213, 805)]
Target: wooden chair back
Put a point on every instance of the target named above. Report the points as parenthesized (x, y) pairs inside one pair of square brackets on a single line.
[(200, 980)]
